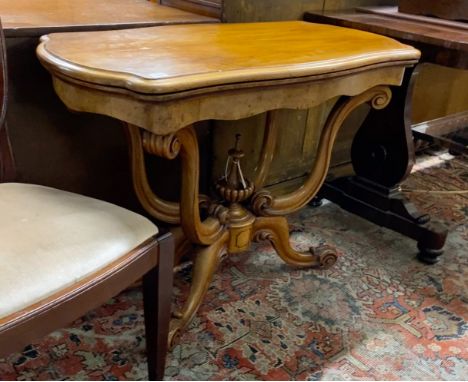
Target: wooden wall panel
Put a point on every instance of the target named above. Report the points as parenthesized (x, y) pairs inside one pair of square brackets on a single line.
[(297, 142), (56, 148), (331, 5), (267, 10), (446, 90)]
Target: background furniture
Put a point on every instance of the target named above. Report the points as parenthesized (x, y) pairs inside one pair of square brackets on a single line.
[(383, 161), (212, 8), (445, 9), (63, 254), (223, 72), (52, 146)]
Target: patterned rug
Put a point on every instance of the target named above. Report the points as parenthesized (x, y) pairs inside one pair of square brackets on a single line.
[(378, 314)]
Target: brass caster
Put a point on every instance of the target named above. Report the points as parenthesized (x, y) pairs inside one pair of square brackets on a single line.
[(326, 256)]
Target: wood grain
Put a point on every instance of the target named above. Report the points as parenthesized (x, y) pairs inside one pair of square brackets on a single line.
[(165, 116), (183, 57)]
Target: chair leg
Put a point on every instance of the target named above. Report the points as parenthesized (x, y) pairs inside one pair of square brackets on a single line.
[(157, 294)]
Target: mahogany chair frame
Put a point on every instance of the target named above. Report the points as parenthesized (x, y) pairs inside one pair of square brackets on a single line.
[(153, 260)]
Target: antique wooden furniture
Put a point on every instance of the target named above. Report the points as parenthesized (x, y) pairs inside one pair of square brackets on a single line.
[(159, 81), (383, 161), (52, 146), (300, 136), (63, 254), (26, 18), (445, 9), (212, 8)]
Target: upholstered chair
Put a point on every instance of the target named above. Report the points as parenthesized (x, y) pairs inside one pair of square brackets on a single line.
[(63, 254)]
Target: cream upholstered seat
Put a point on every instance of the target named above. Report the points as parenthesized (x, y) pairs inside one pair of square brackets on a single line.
[(63, 254), (51, 239)]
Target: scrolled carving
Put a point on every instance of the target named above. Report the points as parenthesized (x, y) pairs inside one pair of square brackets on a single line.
[(261, 200), (165, 146), (161, 209), (262, 236), (326, 254), (220, 212), (382, 97), (204, 232), (378, 97)]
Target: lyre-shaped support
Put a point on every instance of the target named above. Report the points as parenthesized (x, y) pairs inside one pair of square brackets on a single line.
[(264, 204), (169, 147)]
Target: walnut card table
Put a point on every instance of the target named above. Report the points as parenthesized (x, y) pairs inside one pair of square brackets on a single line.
[(160, 81)]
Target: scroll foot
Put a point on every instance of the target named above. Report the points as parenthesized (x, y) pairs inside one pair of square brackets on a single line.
[(276, 230), (326, 254)]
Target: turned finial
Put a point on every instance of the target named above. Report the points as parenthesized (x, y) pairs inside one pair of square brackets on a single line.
[(233, 186)]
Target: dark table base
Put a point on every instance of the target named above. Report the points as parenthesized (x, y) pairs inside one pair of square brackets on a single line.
[(390, 209), (382, 155)]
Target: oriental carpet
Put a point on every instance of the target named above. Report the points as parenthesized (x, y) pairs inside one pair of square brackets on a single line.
[(378, 314)]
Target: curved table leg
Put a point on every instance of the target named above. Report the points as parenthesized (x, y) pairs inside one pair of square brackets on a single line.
[(187, 212), (276, 230), (207, 260), (270, 137), (204, 232), (264, 204), (166, 147)]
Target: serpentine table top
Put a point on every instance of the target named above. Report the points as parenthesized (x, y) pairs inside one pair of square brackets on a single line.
[(162, 80), (175, 62)]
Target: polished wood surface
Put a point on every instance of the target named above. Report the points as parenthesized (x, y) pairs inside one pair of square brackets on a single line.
[(161, 84), (164, 60), (35, 18), (441, 44)]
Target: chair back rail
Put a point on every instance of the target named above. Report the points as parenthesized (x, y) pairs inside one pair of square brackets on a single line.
[(7, 164)]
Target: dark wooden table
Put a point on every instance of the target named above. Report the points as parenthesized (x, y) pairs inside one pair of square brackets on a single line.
[(383, 161)]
